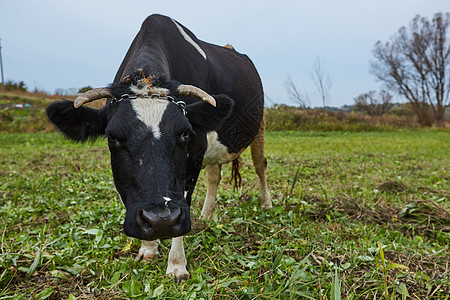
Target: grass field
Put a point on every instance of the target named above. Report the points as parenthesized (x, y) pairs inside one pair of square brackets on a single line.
[(338, 199)]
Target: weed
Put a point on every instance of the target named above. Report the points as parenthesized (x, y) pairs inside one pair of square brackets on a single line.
[(335, 287), (384, 269)]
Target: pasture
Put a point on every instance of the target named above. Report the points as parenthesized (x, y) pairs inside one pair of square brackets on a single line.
[(338, 199)]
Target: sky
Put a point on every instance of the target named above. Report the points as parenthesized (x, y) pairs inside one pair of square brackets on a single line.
[(68, 44)]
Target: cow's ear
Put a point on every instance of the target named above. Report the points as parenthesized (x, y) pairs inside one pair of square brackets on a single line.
[(77, 124), (204, 117)]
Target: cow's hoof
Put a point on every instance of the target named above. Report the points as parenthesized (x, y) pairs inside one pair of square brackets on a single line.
[(266, 206), (182, 278), (148, 251), (145, 258), (178, 272), (179, 279)]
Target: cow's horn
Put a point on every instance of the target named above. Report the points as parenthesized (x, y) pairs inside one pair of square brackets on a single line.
[(190, 90), (92, 95)]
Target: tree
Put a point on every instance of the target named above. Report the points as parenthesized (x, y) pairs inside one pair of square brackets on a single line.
[(85, 89), (15, 86), (295, 95), (373, 105), (415, 63), (322, 82)]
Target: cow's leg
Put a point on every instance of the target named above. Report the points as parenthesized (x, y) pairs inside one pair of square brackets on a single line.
[(260, 163), (148, 250), (213, 180), (176, 264)]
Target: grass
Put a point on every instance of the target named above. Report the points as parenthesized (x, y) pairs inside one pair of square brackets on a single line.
[(338, 199)]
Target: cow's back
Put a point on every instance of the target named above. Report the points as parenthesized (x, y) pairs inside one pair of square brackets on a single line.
[(234, 74)]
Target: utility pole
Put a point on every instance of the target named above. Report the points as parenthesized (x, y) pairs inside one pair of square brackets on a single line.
[(1, 67)]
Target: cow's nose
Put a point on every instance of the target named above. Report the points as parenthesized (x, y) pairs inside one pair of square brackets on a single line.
[(161, 223)]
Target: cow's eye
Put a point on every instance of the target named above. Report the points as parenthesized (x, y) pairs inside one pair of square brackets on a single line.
[(111, 139), (186, 135)]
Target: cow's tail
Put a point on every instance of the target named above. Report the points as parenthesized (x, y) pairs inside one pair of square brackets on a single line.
[(235, 175)]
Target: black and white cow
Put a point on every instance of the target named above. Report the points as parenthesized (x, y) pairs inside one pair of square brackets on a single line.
[(177, 105)]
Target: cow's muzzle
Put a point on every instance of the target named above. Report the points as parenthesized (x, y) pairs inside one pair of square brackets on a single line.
[(163, 222)]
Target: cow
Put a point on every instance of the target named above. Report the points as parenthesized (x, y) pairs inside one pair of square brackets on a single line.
[(177, 105)]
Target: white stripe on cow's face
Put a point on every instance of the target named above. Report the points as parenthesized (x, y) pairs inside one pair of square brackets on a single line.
[(190, 40), (150, 112)]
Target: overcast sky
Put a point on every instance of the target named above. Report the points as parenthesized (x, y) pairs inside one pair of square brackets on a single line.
[(52, 44)]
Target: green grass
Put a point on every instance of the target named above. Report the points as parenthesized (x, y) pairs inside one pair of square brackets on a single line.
[(28, 118), (337, 198)]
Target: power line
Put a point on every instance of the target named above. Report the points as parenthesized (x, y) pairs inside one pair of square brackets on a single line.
[(1, 67)]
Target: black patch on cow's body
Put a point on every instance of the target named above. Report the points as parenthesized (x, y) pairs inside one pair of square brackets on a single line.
[(205, 118)]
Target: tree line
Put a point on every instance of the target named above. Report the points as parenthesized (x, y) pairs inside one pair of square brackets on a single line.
[(413, 64)]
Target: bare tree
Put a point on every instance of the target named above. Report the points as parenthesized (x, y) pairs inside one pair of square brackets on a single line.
[(373, 105), (295, 95), (322, 82), (415, 63)]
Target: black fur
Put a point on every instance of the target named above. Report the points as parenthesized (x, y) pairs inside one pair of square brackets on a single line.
[(77, 124), (205, 118)]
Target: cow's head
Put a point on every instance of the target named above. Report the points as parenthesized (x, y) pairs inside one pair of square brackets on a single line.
[(149, 132)]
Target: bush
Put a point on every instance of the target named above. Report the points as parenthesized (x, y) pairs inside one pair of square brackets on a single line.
[(85, 89), (283, 117), (12, 86)]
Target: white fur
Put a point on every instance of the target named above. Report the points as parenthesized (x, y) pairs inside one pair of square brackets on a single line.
[(212, 180), (216, 153), (167, 200), (147, 90), (150, 112), (176, 264), (120, 197), (190, 40), (148, 249)]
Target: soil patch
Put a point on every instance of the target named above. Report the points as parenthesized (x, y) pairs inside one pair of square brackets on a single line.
[(417, 217), (393, 187)]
